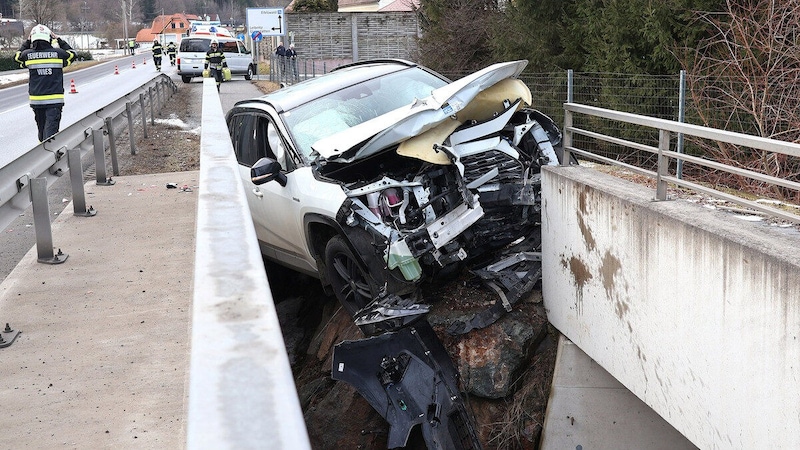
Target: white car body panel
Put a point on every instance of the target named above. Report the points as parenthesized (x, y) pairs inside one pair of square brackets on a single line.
[(283, 237)]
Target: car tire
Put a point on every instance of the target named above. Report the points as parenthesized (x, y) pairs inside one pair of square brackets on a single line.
[(249, 75), (186, 79), (352, 285)]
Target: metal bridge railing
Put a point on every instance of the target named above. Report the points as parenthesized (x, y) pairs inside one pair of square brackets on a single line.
[(666, 130), (24, 181)]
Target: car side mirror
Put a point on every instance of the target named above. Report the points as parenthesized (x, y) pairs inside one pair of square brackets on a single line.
[(266, 170)]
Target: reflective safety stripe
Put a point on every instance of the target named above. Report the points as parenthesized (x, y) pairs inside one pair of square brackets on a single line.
[(46, 99), (38, 65), (58, 62)]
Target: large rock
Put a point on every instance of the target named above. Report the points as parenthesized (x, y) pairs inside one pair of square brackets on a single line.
[(489, 360)]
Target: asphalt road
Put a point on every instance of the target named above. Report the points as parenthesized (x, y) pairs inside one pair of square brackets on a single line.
[(19, 237)]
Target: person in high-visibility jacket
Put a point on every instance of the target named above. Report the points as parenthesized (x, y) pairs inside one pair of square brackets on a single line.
[(215, 62), (158, 52), (172, 51), (45, 65)]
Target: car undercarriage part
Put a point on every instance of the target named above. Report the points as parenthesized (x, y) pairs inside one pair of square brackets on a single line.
[(388, 312), (512, 277), (407, 376)]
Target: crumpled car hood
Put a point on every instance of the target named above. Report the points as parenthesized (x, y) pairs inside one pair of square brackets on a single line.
[(409, 121)]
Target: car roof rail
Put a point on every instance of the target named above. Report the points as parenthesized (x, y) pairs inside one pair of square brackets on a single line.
[(262, 100), (374, 61)]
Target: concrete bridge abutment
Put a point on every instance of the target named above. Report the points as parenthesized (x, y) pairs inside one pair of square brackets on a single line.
[(695, 311)]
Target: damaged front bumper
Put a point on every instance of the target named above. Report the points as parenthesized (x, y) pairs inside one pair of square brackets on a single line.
[(408, 377)]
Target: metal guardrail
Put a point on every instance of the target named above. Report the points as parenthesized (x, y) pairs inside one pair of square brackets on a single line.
[(666, 129), (288, 70), (24, 181), (241, 390)]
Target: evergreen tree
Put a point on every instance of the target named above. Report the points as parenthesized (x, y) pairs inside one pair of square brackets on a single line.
[(457, 34), (316, 5), (535, 30), (636, 36)]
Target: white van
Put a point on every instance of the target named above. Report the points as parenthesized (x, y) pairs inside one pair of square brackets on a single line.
[(192, 56)]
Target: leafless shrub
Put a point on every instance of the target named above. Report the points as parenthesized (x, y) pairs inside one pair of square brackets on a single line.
[(745, 77)]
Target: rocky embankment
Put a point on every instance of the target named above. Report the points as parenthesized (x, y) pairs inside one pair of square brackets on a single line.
[(505, 369)]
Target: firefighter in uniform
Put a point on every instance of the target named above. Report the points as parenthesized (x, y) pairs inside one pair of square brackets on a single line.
[(158, 52), (215, 62), (172, 51), (45, 65)]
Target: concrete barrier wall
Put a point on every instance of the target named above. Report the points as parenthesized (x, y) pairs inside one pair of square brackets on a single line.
[(241, 390), (693, 310)]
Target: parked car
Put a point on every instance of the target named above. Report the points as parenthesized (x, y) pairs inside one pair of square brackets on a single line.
[(382, 174), (192, 57)]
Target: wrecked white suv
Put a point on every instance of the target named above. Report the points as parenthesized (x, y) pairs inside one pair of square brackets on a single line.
[(382, 174)]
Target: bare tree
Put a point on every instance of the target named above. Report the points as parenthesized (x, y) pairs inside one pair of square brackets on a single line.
[(745, 77), (45, 12)]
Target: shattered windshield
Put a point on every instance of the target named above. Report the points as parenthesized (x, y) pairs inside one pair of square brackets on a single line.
[(351, 106)]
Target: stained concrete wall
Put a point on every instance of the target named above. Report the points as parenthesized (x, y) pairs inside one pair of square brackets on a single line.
[(693, 310)]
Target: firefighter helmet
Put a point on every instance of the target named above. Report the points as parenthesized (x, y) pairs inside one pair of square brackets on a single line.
[(40, 33)]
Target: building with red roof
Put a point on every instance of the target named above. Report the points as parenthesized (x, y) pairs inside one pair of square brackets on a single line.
[(167, 28)]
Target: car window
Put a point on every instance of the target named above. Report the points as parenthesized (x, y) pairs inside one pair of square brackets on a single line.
[(353, 105), (255, 137), (242, 130), (195, 45), (229, 46)]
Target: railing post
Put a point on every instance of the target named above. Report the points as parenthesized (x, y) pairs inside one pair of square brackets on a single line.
[(112, 145), (131, 137), (144, 115), (100, 159), (663, 165), (150, 99), (158, 97), (681, 119), (41, 223), (566, 141), (76, 181)]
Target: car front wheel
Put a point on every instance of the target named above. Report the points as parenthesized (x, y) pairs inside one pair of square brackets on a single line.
[(353, 287), (249, 75)]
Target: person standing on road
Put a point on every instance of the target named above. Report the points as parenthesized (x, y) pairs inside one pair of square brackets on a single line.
[(280, 51), (291, 56), (45, 65), (132, 46), (172, 51), (215, 62), (158, 52)]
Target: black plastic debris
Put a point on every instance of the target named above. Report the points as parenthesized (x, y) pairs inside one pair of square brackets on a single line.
[(408, 377)]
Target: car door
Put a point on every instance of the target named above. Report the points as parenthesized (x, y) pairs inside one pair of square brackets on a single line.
[(276, 210), (236, 61)]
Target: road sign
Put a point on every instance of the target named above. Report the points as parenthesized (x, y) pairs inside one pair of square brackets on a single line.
[(240, 36), (256, 36), (269, 21)]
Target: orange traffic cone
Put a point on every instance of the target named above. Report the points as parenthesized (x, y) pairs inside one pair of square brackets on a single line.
[(116, 70), (72, 89), (133, 66)]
